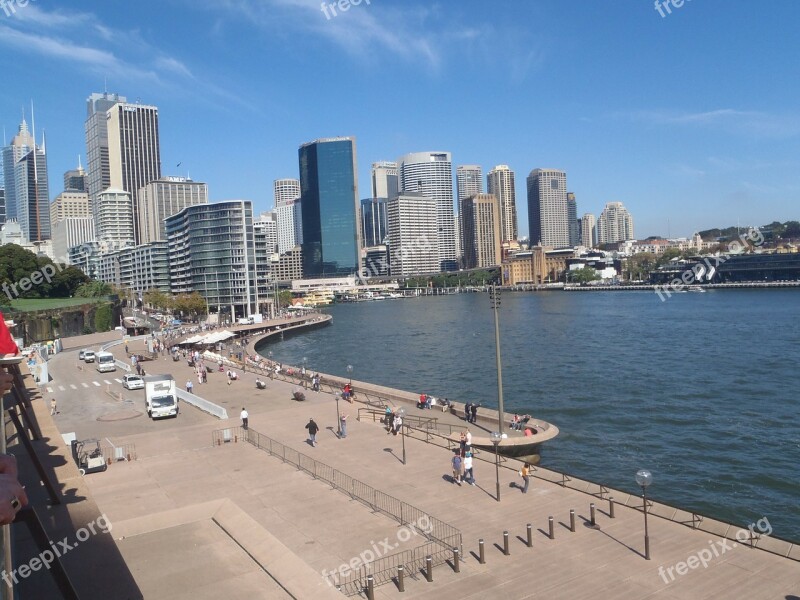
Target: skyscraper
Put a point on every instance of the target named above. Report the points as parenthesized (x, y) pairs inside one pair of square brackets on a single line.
[(76, 180), (469, 182), (32, 194), (589, 230), (96, 129), (548, 218), (500, 183), (480, 217), (289, 214), (384, 180), (113, 217), (69, 204), (615, 224), (413, 232), (431, 174), (373, 221), (330, 207), (572, 216), (122, 148), (163, 198), (20, 145)]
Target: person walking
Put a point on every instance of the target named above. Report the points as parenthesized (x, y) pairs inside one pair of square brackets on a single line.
[(469, 476), (189, 386), (525, 474), (457, 466), (244, 416), (53, 407), (313, 428), (474, 413), (398, 423), (343, 426)]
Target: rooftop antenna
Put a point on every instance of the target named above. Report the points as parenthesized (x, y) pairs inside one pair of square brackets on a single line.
[(80, 166)]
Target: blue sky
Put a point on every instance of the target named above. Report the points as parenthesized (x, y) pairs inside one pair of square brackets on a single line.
[(691, 119)]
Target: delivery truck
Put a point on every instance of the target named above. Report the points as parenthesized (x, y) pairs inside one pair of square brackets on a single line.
[(161, 397)]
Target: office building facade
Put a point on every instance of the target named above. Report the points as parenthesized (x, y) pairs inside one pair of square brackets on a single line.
[(113, 218), (500, 182), (330, 208), (69, 232), (572, 217), (481, 222), (548, 217), (98, 169), (212, 251), (589, 230), (20, 146), (163, 198), (33, 194), (69, 204), (384, 180), (413, 234), (137, 268), (373, 221)]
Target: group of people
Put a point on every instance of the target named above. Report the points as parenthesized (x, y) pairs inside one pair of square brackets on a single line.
[(393, 420), (471, 412), (462, 460), (520, 424)]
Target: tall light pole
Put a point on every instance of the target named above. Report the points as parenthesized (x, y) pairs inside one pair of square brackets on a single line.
[(401, 412), (338, 417), (644, 479), (496, 437), (350, 374), (494, 295), (303, 374)]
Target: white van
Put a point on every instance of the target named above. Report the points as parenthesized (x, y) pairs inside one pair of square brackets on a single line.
[(105, 362)]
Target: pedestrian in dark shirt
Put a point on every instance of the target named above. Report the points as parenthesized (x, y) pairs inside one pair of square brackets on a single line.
[(474, 413), (313, 428), (467, 413)]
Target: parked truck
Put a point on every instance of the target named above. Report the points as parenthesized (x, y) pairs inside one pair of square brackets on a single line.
[(161, 397), (105, 362)]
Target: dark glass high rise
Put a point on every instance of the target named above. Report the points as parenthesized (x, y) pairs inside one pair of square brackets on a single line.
[(329, 200), (373, 219)]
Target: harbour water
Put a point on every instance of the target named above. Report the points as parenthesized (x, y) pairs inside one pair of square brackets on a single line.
[(699, 389)]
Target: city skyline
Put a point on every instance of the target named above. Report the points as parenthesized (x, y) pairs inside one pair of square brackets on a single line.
[(700, 146)]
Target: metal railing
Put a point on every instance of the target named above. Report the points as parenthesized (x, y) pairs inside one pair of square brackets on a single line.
[(442, 537)]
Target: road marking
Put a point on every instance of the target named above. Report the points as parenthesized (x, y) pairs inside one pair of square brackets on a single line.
[(72, 386), (86, 385), (106, 381), (97, 384), (62, 388), (49, 390), (118, 380)]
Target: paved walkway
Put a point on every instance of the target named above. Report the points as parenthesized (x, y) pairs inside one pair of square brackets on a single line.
[(169, 504)]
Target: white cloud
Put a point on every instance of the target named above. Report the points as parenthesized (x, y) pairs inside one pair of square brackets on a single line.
[(741, 122)]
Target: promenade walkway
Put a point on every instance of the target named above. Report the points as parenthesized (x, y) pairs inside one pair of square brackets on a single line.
[(187, 515)]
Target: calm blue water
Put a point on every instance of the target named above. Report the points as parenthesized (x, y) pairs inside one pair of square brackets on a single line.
[(700, 389)]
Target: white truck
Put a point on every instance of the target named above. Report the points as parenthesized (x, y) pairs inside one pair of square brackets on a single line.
[(105, 362), (161, 397)]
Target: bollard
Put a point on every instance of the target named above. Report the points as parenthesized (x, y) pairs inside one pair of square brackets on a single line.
[(592, 511), (401, 579), (552, 528), (611, 506), (572, 520), (506, 551), (429, 568), (530, 535), (456, 562), (370, 588), (481, 554)]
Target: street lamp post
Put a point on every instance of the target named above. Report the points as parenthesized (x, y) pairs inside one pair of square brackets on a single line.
[(271, 366), (496, 437), (338, 417), (303, 374), (644, 479), (494, 295), (401, 412), (350, 374)]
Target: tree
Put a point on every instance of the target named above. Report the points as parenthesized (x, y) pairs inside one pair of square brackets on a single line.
[(190, 304), (158, 299), (639, 265), (102, 318), (584, 275), (93, 289), (668, 255)]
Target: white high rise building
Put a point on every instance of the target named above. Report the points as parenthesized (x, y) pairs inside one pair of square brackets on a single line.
[(615, 224), (548, 214), (384, 180), (589, 230), (69, 232), (114, 219), (413, 233), (500, 183), (289, 214), (431, 174), (69, 204), (20, 145)]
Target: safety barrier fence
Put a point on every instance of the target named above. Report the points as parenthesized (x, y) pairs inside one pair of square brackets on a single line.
[(441, 537)]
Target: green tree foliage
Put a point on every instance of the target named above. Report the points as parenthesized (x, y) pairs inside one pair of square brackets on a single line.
[(93, 289), (102, 318), (639, 266), (40, 276), (584, 275), (459, 279), (158, 299), (190, 305)]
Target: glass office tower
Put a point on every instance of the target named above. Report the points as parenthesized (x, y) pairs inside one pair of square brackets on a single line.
[(330, 207)]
